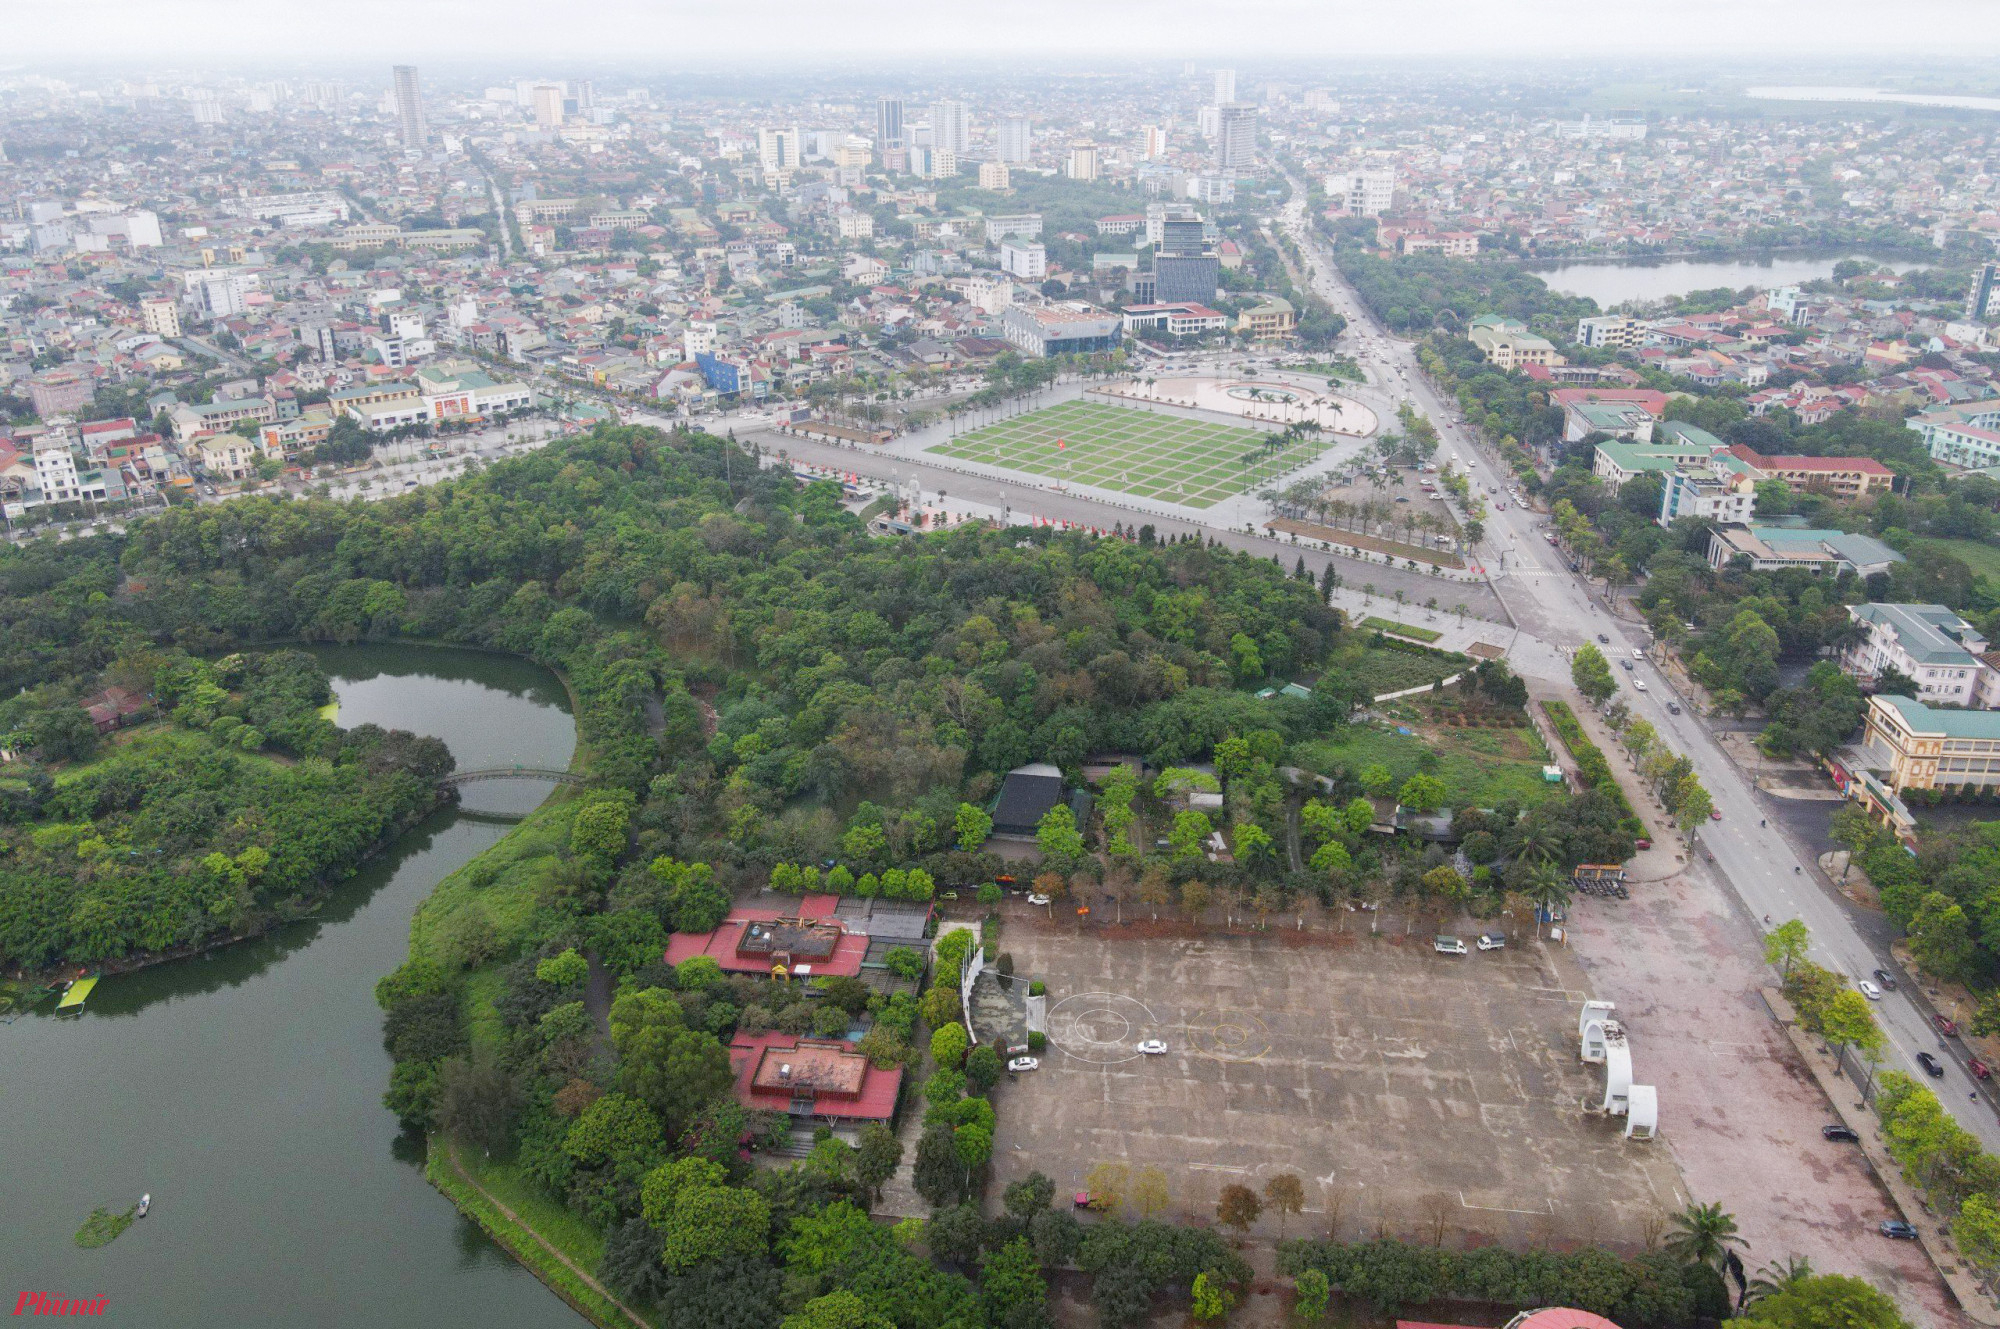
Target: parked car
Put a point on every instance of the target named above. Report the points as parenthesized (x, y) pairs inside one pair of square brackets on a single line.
[(1869, 990), (1932, 1066), (1843, 1134), (1980, 1070), (1492, 941), (1036, 897), (1153, 1047), (1673, 708), (1642, 843), (1949, 1028), (1447, 945), (1715, 814), (1081, 1200), (1024, 1064), (1638, 654), (1898, 1229), (1886, 979)]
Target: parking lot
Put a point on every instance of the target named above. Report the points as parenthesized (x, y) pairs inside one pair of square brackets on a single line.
[(1408, 1090)]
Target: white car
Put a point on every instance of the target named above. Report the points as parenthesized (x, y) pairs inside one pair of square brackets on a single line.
[(1639, 683), (1638, 654), (1036, 897), (1153, 1047), (1024, 1064), (1869, 990)]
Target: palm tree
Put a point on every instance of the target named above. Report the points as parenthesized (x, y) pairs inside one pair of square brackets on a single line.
[(1547, 888), (1703, 1234), (1771, 1279)]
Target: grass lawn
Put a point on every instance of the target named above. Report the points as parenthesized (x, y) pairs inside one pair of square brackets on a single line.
[(1194, 463), (1402, 629), (1982, 558), (1381, 670), (502, 883), (1479, 767), (552, 1221)]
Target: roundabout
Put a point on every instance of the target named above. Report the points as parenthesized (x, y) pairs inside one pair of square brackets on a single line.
[(1103, 1028)]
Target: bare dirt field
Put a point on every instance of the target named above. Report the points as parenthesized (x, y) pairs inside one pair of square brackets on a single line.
[(1407, 1089)]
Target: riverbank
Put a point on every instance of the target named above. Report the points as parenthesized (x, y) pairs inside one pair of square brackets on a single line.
[(267, 1060)]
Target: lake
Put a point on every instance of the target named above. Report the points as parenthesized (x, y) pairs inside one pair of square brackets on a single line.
[(244, 1089), (1614, 283), (1841, 94)]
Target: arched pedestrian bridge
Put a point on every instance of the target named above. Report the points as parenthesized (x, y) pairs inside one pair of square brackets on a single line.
[(511, 773)]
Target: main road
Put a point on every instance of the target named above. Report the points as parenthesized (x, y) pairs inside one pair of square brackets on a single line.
[(1775, 879)]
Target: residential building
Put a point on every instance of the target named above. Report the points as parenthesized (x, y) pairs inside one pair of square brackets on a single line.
[(889, 123), (950, 129), (1152, 142), (161, 317), (1211, 188), (778, 150), (1367, 192), (1578, 425), (410, 108), (548, 104), (1225, 87), (1272, 320), (1508, 344), (1610, 330), (1965, 445), (1175, 320), (1623, 456), (1716, 496), (1028, 224), (1445, 244), (1979, 299), (1024, 258), (1843, 477), (1073, 326), (1082, 162), (1916, 746), (1014, 141), (1941, 653), (1768, 547), (62, 390), (994, 175), (1235, 136)]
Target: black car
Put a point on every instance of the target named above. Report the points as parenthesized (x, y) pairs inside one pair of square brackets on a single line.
[(1932, 1066), (1897, 1228), (1843, 1134), (1885, 980)]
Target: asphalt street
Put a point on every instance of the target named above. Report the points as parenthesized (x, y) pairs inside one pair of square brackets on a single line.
[(1773, 880)]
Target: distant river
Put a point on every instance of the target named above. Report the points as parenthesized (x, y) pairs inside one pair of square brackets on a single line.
[(1614, 283), (1838, 94), (244, 1089)]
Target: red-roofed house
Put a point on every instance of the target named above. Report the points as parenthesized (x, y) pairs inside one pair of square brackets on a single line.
[(819, 1079), (1845, 477), (807, 942)]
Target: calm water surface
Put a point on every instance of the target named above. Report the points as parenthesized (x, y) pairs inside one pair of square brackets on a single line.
[(1614, 283), (244, 1089)]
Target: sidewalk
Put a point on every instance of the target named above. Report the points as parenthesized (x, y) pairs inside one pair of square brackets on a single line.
[(1842, 1093)]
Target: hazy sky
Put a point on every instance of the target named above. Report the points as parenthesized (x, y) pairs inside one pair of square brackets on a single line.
[(291, 32)]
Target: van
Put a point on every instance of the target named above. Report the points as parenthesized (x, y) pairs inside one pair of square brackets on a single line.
[(1492, 941), (1444, 945)]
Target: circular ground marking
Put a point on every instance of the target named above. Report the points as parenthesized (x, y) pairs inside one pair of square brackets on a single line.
[(1100, 1027), (1229, 1035)]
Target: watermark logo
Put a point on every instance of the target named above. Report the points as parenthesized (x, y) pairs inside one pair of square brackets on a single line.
[(47, 1303)]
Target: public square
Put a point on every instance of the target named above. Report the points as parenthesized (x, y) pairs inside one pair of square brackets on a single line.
[(1157, 455), (1406, 1089)]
